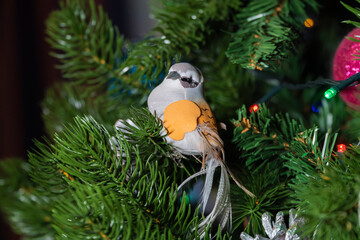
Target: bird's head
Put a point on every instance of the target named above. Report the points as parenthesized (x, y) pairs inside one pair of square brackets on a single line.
[(185, 75)]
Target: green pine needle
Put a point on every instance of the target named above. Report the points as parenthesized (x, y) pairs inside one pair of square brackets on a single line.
[(27, 209), (93, 180), (182, 28), (263, 137), (330, 202), (267, 31), (64, 101), (86, 44), (97, 213)]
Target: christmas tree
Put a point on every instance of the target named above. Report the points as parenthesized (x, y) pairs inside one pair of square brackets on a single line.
[(266, 64)]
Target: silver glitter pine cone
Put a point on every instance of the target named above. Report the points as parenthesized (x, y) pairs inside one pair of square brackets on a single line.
[(278, 230)]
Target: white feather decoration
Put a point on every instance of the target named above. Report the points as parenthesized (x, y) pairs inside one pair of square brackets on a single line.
[(221, 211)]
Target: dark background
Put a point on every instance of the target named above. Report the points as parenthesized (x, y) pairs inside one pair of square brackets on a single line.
[(26, 69)]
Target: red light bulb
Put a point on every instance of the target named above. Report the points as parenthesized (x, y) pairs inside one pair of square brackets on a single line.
[(341, 148), (254, 108)]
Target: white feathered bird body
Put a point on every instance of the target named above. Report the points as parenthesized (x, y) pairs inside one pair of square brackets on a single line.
[(162, 96), (178, 101)]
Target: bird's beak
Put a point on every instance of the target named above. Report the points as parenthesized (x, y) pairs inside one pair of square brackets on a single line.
[(173, 75)]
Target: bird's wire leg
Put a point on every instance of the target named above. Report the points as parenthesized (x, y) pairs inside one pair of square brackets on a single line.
[(203, 160)]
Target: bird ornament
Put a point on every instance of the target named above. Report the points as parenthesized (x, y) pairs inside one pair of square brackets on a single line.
[(192, 129)]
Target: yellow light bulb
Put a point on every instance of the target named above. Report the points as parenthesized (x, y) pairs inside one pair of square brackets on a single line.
[(309, 23)]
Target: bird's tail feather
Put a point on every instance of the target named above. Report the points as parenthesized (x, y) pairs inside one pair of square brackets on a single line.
[(201, 172), (221, 211), (209, 179)]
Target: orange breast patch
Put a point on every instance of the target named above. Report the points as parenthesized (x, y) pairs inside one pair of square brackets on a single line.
[(181, 117)]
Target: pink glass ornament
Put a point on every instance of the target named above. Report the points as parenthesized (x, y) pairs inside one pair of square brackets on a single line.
[(345, 65)]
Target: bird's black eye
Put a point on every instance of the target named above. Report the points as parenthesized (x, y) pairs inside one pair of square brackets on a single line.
[(185, 79), (188, 82)]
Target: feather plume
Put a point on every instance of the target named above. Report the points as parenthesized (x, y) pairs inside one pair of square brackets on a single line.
[(221, 211)]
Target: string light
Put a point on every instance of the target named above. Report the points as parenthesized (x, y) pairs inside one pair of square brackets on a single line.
[(331, 92), (291, 86), (309, 23), (341, 148), (316, 107), (187, 199), (254, 108), (337, 86)]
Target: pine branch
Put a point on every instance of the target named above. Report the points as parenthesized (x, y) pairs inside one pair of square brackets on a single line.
[(147, 134), (27, 210), (270, 197), (267, 31), (355, 11), (138, 170), (44, 170), (182, 28), (96, 213), (330, 202), (307, 158), (87, 45), (64, 101), (263, 138), (311, 165)]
